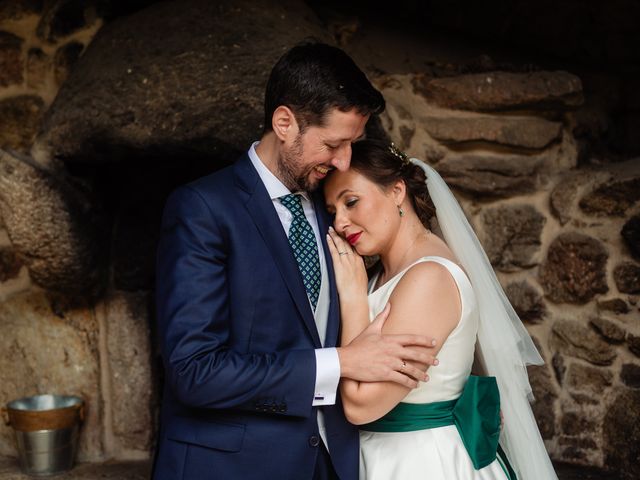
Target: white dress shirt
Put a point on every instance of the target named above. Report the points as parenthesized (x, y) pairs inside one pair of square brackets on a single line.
[(327, 361)]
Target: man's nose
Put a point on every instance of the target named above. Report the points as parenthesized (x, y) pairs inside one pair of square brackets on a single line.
[(342, 159)]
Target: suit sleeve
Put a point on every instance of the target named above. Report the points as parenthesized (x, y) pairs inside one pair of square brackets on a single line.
[(193, 319)]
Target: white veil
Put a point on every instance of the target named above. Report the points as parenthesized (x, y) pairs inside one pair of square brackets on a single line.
[(504, 346)]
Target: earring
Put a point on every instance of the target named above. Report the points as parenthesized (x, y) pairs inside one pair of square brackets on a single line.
[(400, 211)]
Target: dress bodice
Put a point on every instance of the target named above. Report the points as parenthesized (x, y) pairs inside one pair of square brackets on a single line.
[(447, 379)]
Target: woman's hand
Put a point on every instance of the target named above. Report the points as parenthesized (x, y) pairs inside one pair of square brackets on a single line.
[(351, 275)]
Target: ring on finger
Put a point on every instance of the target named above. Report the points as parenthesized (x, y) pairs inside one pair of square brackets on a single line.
[(343, 253), (404, 364)]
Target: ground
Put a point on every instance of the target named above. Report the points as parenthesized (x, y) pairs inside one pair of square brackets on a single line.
[(140, 471)]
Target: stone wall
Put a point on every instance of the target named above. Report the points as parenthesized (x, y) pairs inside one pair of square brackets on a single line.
[(563, 237), (51, 343), (558, 214), (38, 46)]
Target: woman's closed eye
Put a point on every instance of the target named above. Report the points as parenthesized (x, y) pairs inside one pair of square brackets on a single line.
[(351, 202)]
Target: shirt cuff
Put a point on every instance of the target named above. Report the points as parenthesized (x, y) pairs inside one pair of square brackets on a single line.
[(327, 376)]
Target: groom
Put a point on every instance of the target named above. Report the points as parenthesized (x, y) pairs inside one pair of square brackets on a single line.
[(247, 305)]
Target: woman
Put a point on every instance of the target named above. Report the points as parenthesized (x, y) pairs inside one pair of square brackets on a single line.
[(448, 427)]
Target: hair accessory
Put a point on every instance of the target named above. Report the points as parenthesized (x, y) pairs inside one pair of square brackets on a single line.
[(399, 153)]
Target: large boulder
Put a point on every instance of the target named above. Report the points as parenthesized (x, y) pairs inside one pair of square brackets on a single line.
[(147, 83), (53, 227)]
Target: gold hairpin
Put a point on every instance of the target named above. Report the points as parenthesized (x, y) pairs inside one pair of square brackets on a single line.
[(399, 153)]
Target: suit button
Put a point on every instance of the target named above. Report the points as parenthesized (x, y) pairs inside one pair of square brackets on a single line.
[(283, 408), (314, 440)]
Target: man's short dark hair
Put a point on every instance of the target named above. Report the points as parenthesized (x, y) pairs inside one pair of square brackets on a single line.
[(313, 78)]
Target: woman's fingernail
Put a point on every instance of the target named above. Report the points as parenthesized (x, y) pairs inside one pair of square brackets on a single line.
[(436, 361), (433, 343)]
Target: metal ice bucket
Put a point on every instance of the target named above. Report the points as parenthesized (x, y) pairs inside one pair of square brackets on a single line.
[(46, 429)]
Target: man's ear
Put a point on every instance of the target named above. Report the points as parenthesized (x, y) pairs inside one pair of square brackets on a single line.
[(284, 123)]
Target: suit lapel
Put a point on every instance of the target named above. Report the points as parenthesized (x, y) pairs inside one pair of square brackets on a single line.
[(260, 208), (333, 322)]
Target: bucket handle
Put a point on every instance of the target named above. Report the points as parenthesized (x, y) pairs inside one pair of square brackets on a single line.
[(5, 416)]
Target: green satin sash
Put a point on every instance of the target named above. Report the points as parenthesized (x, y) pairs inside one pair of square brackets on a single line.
[(476, 415)]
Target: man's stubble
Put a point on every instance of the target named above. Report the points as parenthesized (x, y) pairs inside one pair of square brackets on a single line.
[(291, 170)]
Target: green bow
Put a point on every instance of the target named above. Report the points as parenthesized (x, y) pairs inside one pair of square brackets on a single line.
[(476, 415)]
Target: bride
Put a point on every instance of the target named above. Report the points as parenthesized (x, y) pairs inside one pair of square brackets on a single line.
[(449, 427)]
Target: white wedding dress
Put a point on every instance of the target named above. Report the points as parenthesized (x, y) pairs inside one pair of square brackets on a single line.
[(436, 453)]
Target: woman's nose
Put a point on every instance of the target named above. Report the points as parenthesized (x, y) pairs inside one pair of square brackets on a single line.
[(340, 222)]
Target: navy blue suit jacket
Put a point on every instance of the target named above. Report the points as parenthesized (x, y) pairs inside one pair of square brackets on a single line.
[(237, 336)]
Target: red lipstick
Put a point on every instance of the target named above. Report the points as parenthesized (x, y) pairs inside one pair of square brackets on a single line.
[(353, 238)]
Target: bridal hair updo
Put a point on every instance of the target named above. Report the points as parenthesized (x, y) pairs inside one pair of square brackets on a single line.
[(384, 165)]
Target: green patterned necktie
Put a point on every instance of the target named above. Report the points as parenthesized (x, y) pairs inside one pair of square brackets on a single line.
[(305, 248)]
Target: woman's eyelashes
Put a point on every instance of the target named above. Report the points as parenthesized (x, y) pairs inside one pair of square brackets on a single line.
[(351, 202)]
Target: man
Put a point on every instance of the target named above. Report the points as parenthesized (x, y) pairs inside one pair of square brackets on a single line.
[(247, 305)]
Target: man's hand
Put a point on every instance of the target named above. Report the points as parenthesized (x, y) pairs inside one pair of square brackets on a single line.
[(374, 357)]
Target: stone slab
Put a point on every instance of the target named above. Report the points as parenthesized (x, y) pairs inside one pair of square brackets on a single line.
[(129, 354), (494, 91), (523, 132)]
